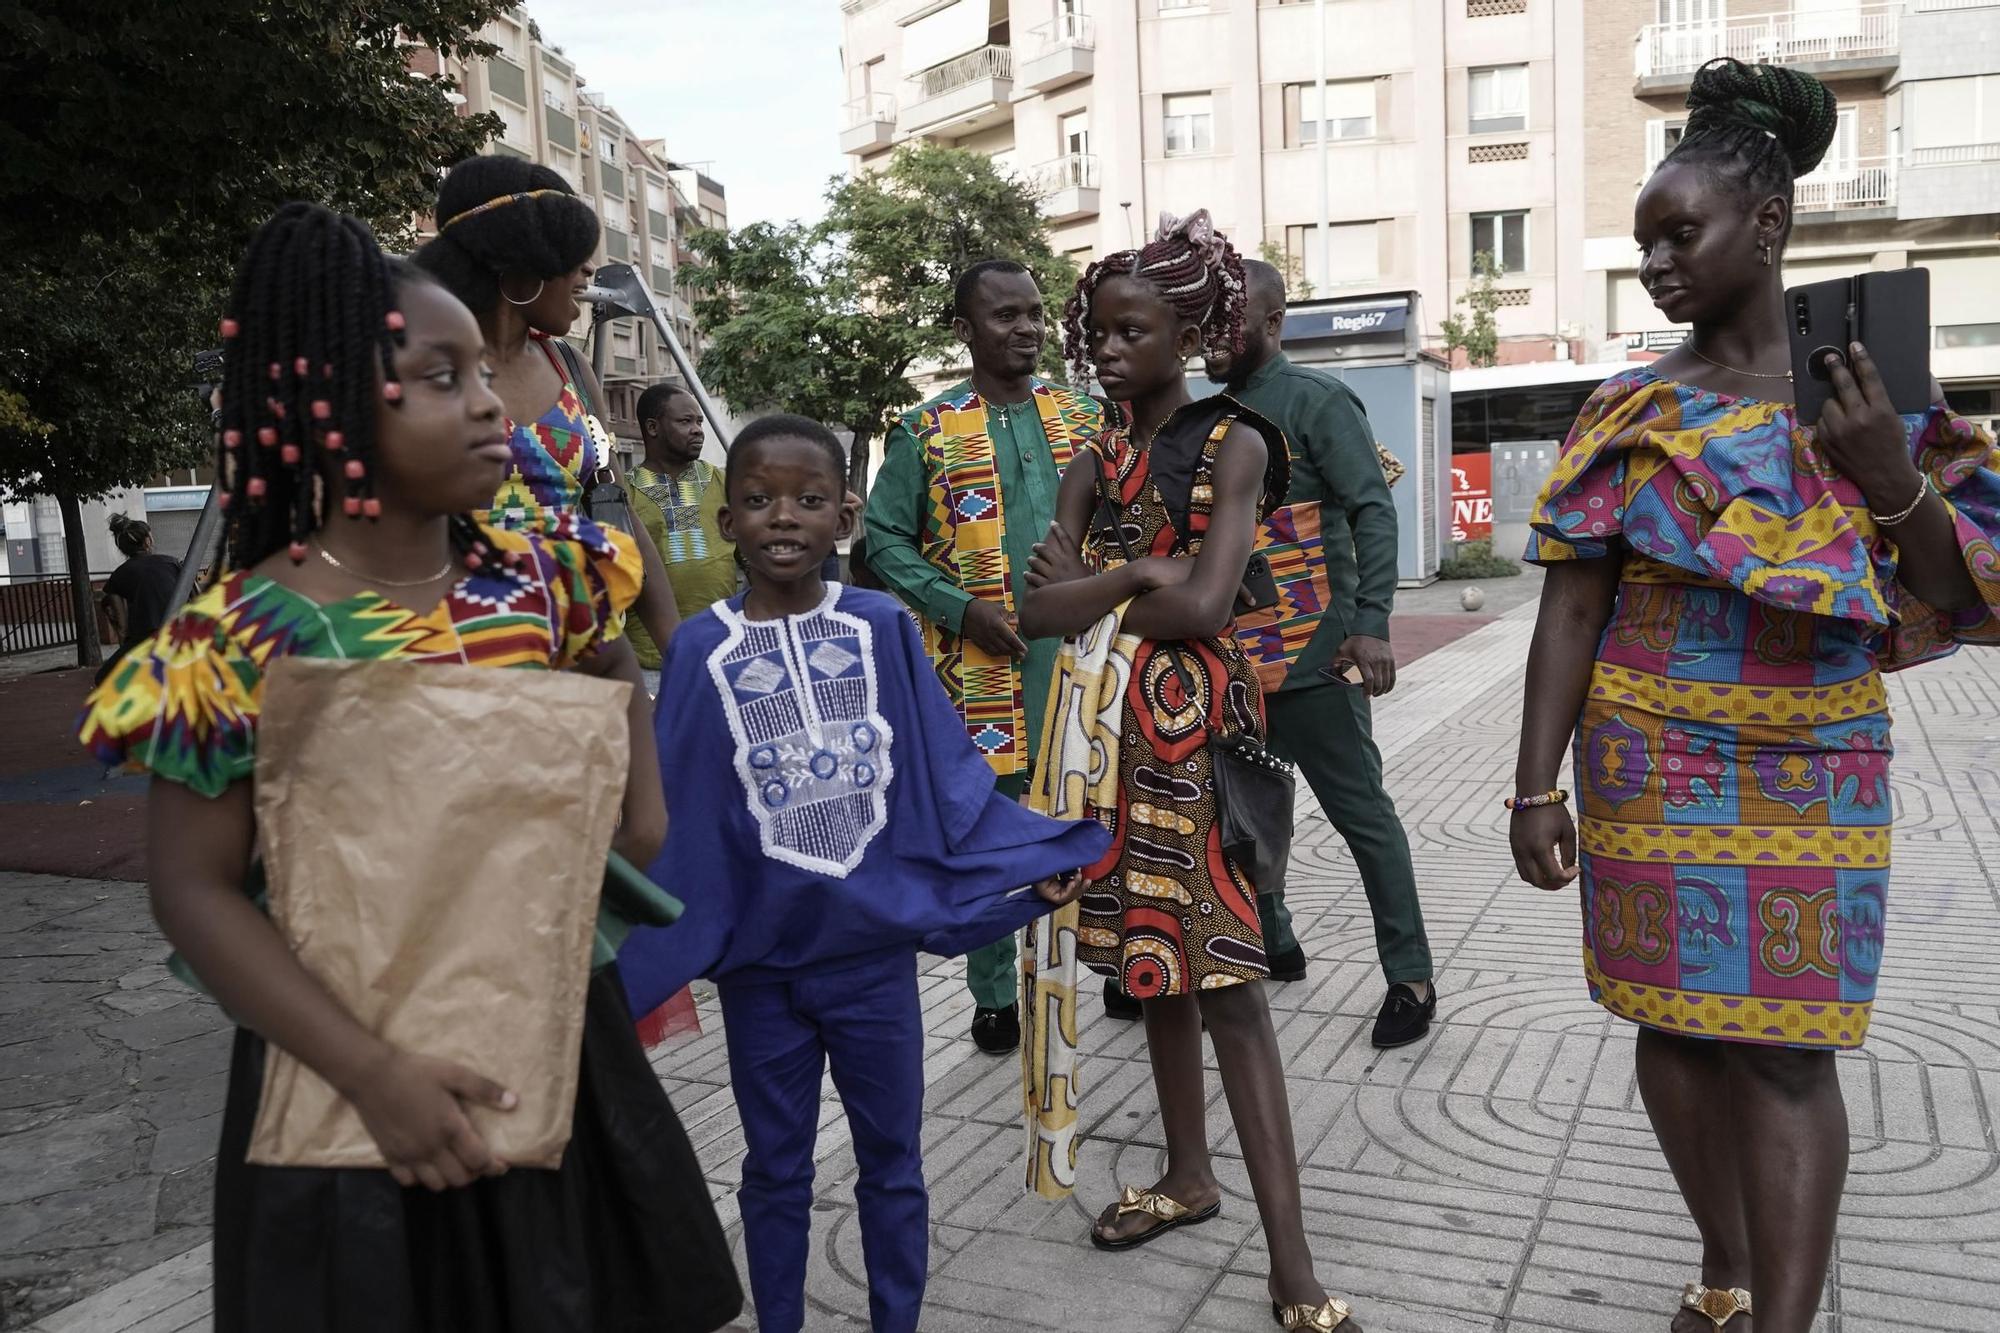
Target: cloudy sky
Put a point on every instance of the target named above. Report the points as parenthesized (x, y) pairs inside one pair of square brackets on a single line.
[(750, 87)]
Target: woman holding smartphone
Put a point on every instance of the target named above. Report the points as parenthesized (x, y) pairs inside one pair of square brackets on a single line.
[(1726, 587)]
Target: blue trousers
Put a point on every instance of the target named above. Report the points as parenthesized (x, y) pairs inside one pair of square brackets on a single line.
[(867, 1023)]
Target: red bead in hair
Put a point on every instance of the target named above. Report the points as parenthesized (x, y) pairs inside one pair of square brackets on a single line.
[(230, 328), (222, 500), (351, 506), (290, 453), (254, 487), (322, 409), (393, 391), (372, 507), (277, 371), (267, 436), (232, 439), (335, 441), (326, 370), (277, 408), (394, 319), (473, 561), (302, 367), (298, 553), (356, 470)]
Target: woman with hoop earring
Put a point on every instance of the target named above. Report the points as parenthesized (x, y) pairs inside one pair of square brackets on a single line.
[(515, 243)]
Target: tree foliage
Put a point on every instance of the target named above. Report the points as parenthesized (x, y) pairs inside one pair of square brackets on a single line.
[(142, 143), (828, 320), (1477, 334), (1297, 286)]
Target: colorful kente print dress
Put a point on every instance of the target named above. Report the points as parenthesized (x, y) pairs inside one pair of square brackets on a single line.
[(551, 457), (1733, 751), (1170, 913)]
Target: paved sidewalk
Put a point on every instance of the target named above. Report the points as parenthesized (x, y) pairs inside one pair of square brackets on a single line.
[(1499, 1178)]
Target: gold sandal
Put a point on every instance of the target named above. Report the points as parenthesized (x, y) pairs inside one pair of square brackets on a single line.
[(1317, 1318), (1716, 1304), (1168, 1213)]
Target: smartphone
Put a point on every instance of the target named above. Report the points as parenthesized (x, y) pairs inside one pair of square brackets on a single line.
[(1888, 313), (1342, 672)]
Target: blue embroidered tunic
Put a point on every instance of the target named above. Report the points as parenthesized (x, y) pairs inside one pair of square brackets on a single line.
[(825, 805)]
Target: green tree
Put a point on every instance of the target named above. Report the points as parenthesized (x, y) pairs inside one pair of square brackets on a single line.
[(1297, 286), (828, 320), (1478, 335), (141, 144)]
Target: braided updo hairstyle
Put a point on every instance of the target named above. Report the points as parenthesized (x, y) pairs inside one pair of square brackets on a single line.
[(1196, 271), (498, 215), (307, 357), (1759, 127)]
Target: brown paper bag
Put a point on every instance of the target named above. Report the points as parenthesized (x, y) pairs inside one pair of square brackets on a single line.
[(434, 837)]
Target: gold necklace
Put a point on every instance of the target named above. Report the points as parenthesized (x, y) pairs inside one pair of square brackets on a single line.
[(331, 559), (1746, 374)]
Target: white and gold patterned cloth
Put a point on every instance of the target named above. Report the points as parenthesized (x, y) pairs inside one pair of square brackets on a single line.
[(1076, 769)]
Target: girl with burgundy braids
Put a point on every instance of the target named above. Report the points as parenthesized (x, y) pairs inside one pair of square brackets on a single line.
[(1158, 518), (359, 438)]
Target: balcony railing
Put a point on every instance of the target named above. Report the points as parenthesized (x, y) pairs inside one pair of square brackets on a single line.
[(1069, 30), (856, 6), (1071, 171), (1853, 33), (1957, 155), (1868, 182), (988, 62), (874, 109)]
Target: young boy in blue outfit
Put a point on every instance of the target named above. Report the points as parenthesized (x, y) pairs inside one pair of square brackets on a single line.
[(828, 819)]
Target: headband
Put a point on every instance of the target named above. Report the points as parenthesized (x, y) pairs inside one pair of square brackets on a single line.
[(500, 202)]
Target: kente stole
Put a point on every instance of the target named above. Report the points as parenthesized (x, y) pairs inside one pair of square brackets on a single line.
[(964, 531)]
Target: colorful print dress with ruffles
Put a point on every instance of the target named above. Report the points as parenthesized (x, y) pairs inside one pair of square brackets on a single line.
[(1733, 752), (551, 456)]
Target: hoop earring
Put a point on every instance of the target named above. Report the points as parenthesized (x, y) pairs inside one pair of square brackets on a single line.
[(536, 297)]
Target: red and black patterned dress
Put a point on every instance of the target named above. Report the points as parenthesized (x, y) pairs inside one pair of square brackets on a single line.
[(1169, 912)]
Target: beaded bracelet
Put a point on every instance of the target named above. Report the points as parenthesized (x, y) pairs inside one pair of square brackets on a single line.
[(1556, 797), (1891, 520)]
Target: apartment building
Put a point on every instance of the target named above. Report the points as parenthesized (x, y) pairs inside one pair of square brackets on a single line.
[(648, 203), (1912, 179), (1438, 122)]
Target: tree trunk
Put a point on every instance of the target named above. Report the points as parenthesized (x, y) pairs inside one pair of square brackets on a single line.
[(857, 460), (82, 605)]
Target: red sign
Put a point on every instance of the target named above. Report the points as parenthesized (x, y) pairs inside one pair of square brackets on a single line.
[(1471, 497)]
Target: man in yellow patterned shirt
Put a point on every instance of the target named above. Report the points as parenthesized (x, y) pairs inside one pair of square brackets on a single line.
[(677, 496)]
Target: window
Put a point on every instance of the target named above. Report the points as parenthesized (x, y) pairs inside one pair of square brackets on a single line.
[(514, 124), (1497, 99), (1190, 124), (507, 80), (607, 146), (1505, 237), (1073, 132), (1661, 136), (1354, 254), (1349, 111), (555, 96), (1951, 113)]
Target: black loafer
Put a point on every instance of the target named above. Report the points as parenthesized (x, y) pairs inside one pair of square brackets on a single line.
[(1117, 1004), (996, 1031), (1404, 1018), (1289, 965)]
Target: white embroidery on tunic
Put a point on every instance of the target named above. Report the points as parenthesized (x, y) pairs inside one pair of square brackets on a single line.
[(814, 761)]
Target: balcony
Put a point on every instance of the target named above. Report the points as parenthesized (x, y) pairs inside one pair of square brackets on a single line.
[(1849, 192), (1065, 52), (871, 125), (961, 96), (1855, 39), (1067, 187), (1955, 181)]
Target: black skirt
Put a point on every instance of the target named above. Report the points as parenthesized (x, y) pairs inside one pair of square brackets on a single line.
[(621, 1237)]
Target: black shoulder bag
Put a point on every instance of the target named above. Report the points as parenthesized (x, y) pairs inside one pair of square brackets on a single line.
[(602, 500), (1254, 789)]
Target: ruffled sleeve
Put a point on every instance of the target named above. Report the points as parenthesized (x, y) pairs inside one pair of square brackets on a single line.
[(183, 704), (592, 575), (1581, 510), (1964, 466)]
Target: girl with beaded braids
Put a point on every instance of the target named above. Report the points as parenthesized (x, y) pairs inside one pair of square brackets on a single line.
[(1170, 913), (1725, 588), (514, 243), (359, 437)]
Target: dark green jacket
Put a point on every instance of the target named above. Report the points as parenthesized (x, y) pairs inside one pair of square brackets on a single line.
[(1334, 462)]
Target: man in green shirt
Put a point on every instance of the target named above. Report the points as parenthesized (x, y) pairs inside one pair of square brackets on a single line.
[(1322, 726), (676, 497), (967, 487)]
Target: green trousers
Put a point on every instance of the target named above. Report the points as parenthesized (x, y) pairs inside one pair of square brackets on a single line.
[(993, 973), (1326, 731)]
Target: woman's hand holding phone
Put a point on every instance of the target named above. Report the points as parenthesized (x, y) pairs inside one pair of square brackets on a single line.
[(1861, 433)]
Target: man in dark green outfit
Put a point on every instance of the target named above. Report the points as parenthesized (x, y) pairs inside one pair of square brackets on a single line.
[(1322, 726), (967, 487)]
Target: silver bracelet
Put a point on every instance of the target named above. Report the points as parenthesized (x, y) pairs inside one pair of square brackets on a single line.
[(1891, 520)]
